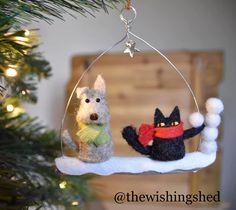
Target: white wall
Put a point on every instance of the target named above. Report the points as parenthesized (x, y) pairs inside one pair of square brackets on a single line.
[(169, 25)]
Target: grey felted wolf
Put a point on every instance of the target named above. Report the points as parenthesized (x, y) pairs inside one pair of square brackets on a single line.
[(94, 142)]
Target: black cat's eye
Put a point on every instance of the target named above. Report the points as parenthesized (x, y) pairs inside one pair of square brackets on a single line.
[(87, 100), (98, 100), (175, 123), (162, 124)]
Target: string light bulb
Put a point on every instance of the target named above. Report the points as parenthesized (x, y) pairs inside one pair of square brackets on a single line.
[(25, 52), (11, 72), (10, 108), (27, 32), (62, 185), (21, 39), (75, 203)]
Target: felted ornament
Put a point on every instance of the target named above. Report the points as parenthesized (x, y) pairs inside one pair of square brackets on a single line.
[(213, 120), (214, 107), (189, 162), (162, 142), (164, 139), (196, 119), (207, 147), (94, 142), (210, 134)]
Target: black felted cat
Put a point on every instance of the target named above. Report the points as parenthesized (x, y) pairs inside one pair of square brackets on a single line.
[(164, 140)]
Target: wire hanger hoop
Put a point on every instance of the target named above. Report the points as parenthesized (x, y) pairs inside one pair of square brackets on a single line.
[(127, 23), (126, 20)]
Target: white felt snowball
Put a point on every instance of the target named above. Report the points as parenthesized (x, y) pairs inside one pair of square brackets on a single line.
[(208, 147), (214, 105), (196, 119), (212, 120), (210, 134)]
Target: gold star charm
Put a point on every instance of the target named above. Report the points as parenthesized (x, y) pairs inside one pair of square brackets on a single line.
[(130, 48)]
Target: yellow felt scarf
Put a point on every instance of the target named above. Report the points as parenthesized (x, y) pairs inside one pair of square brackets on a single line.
[(93, 134)]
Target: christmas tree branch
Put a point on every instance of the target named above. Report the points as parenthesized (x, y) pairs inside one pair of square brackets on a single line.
[(27, 149), (26, 163), (17, 53), (25, 11)]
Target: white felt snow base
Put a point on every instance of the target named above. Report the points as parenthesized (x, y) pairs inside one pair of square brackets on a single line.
[(134, 165)]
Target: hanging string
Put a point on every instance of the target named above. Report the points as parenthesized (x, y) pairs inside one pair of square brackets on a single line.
[(128, 5)]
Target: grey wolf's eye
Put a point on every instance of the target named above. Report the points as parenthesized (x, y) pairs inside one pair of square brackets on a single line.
[(87, 100), (98, 100)]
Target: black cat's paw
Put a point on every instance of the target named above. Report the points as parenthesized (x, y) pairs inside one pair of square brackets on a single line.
[(129, 132)]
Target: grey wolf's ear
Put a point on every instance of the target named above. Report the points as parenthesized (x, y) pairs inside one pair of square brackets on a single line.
[(100, 85), (81, 91)]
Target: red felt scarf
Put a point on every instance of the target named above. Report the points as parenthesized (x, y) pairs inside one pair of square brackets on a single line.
[(147, 132)]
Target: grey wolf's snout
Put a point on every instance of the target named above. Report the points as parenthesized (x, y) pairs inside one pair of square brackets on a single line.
[(94, 116)]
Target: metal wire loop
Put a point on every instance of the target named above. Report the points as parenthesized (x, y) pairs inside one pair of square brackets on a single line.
[(124, 19)]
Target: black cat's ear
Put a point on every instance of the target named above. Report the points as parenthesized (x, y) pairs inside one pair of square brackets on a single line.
[(158, 117), (175, 115)]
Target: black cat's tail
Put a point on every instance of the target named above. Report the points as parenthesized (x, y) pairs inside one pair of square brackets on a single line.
[(129, 134)]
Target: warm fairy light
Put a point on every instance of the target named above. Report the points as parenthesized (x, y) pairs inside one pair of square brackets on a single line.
[(10, 108), (75, 203), (25, 92), (22, 39), (25, 52), (27, 32), (62, 185), (11, 72)]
